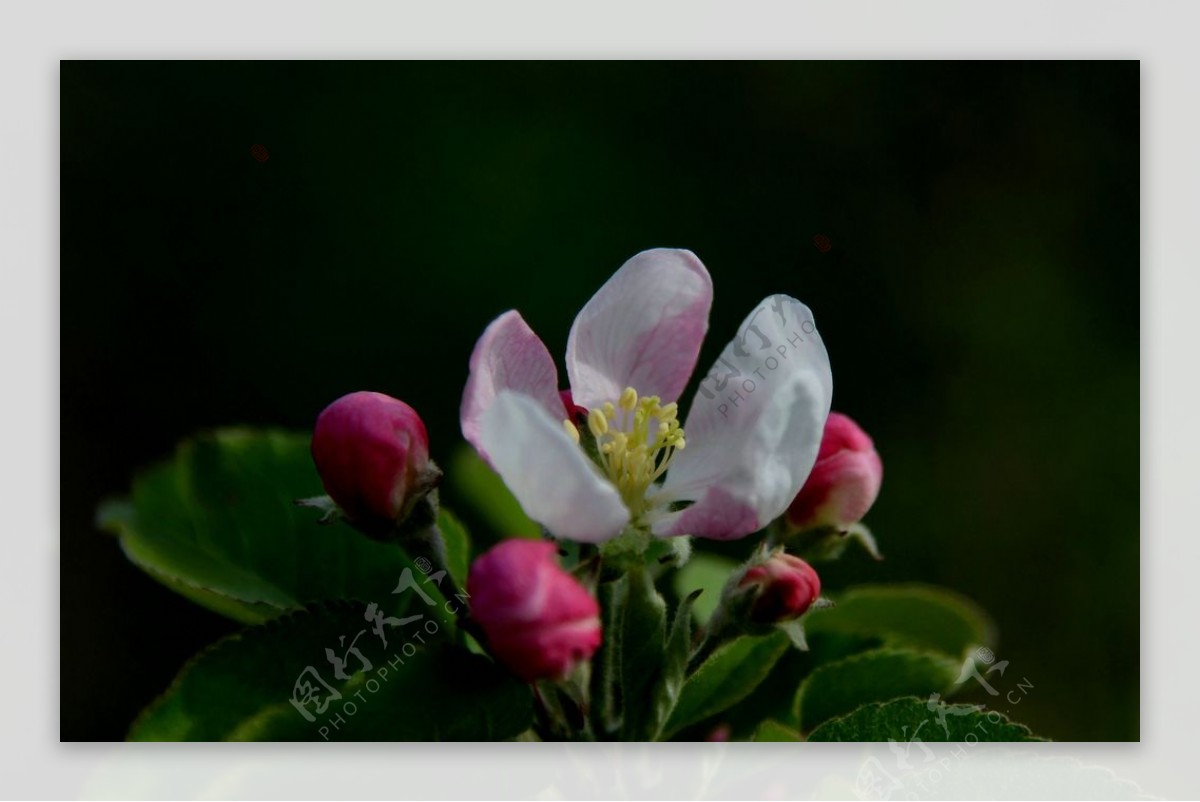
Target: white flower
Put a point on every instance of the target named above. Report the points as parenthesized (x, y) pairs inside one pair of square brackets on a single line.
[(752, 432)]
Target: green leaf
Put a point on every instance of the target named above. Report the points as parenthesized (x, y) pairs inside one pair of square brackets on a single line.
[(914, 617), (904, 719), (472, 481), (837, 688), (219, 525), (775, 696), (674, 666), (241, 688), (707, 572), (729, 675), (917, 616), (458, 546), (774, 732), (642, 632)]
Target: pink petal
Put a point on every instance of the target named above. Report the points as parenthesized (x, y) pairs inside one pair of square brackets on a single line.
[(555, 482), (642, 329), (508, 356), (718, 511), (755, 426)]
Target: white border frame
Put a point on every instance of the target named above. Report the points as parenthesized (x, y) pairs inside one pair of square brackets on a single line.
[(34, 37)]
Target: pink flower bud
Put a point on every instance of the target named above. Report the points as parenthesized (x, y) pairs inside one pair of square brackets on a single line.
[(786, 587), (537, 619), (372, 453), (844, 482)]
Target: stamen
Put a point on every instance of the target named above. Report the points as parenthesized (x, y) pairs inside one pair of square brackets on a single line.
[(572, 432), (597, 422), (636, 445)]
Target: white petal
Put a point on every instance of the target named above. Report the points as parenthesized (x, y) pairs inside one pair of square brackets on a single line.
[(642, 329), (755, 425), (508, 356), (548, 472)]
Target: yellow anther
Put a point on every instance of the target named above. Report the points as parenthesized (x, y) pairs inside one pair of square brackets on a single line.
[(572, 432), (597, 422), (634, 450)]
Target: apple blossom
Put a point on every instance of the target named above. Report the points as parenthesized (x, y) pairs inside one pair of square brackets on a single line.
[(752, 432)]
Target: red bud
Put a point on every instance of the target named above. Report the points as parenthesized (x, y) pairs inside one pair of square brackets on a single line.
[(786, 587), (844, 482), (372, 453)]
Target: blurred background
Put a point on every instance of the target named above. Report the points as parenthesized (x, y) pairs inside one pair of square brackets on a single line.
[(244, 242)]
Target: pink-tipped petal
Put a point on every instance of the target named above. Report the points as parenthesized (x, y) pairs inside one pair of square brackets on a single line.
[(508, 356), (548, 472), (718, 511), (642, 329), (755, 426)]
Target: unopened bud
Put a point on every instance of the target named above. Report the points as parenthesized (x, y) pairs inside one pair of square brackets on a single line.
[(783, 587), (844, 482), (536, 618), (372, 453)]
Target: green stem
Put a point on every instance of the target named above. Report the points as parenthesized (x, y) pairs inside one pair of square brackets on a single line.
[(605, 663)]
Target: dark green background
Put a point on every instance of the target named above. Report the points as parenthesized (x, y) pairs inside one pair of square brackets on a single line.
[(979, 303)]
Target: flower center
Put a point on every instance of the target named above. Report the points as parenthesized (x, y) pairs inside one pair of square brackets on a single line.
[(635, 441)]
